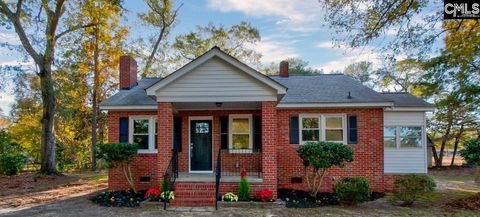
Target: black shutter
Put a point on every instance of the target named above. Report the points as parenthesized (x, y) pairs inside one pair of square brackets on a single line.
[(257, 132), (224, 132), (177, 133), (352, 129), (123, 130), (294, 130)]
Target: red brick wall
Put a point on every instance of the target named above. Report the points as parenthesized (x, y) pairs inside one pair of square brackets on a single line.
[(368, 153), (143, 165)]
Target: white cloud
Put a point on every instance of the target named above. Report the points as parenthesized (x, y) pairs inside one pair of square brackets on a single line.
[(6, 101), (324, 44), (274, 51), (9, 37), (350, 56), (299, 16)]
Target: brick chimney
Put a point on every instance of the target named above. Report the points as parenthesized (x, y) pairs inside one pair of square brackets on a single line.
[(283, 69), (128, 72)]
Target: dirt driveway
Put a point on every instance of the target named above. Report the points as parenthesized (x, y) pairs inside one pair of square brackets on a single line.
[(72, 200)]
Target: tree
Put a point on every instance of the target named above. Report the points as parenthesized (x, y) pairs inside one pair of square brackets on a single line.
[(120, 155), (42, 51), (319, 157), (471, 154), (238, 41), (296, 66), (100, 52), (162, 17), (361, 71)]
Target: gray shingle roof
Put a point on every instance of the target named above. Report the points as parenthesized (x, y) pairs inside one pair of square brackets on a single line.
[(134, 96), (323, 88), (327, 88), (406, 100)]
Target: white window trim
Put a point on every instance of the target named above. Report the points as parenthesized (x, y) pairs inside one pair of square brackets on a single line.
[(398, 137), (151, 133), (230, 133), (395, 137), (322, 126)]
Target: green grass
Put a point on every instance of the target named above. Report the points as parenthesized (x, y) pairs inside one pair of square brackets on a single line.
[(95, 177)]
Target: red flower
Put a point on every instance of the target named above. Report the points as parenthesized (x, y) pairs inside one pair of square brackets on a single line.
[(243, 174), (152, 192), (265, 195)]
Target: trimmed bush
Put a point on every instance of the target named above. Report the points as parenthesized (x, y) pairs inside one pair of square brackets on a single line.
[(409, 187), (120, 155), (352, 190), (11, 163), (244, 189)]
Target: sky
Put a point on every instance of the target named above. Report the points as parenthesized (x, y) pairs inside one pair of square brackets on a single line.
[(287, 29)]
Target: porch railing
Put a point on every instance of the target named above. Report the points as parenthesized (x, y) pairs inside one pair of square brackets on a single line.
[(218, 176), (171, 174), (235, 161)]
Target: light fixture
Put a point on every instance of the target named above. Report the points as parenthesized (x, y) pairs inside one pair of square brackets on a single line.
[(219, 104)]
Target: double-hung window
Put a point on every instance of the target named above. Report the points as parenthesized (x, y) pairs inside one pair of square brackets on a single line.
[(402, 136), (143, 131), (329, 127), (241, 137)]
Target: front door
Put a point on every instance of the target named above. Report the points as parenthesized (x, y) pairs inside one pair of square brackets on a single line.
[(201, 145)]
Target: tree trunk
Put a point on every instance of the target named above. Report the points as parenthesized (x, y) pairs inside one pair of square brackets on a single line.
[(434, 150), (444, 139), (48, 165), (455, 147), (94, 101), (149, 61), (477, 174)]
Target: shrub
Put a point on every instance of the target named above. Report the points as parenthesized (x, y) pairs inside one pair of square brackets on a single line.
[(168, 195), (120, 155), (118, 199), (230, 197), (352, 190), (11, 163), (409, 187), (471, 154), (320, 156), (244, 189), (265, 195)]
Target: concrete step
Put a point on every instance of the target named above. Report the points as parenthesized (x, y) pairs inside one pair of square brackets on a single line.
[(192, 202)]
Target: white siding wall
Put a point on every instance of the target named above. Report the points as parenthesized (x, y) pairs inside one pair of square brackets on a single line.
[(215, 81), (405, 160)]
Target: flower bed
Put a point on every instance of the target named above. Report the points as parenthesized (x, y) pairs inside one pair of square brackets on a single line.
[(125, 198), (471, 203), (301, 199)]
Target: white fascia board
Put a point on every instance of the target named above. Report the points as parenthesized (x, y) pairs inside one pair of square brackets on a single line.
[(412, 109), (334, 105), (129, 107)]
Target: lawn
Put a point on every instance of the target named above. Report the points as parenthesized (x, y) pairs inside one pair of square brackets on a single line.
[(71, 199)]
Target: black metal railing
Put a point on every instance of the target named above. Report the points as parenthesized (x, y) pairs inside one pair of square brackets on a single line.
[(234, 162), (218, 176), (170, 175)]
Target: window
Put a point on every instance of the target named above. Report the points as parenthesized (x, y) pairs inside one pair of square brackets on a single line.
[(143, 131), (322, 128), (310, 129), (410, 137), (334, 129), (402, 136), (389, 137), (240, 132)]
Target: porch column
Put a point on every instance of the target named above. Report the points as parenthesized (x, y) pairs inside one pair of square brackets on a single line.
[(165, 135), (269, 143)]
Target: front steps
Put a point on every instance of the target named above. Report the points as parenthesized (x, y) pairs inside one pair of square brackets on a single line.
[(194, 194)]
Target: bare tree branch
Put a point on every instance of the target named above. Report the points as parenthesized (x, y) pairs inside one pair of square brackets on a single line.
[(74, 28)]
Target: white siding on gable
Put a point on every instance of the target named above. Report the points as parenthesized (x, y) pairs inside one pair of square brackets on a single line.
[(215, 81), (405, 160)]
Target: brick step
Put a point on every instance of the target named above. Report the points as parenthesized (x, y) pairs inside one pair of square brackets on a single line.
[(194, 193), (193, 186), (193, 202)]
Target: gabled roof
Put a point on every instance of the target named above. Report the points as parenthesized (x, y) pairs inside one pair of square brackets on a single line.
[(406, 101), (216, 52), (136, 96), (328, 90)]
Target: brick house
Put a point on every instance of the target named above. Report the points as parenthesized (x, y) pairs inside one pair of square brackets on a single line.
[(218, 105)]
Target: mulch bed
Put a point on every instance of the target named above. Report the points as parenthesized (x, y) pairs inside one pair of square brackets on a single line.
[(471, 203), (301, 199), (24, 183)]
